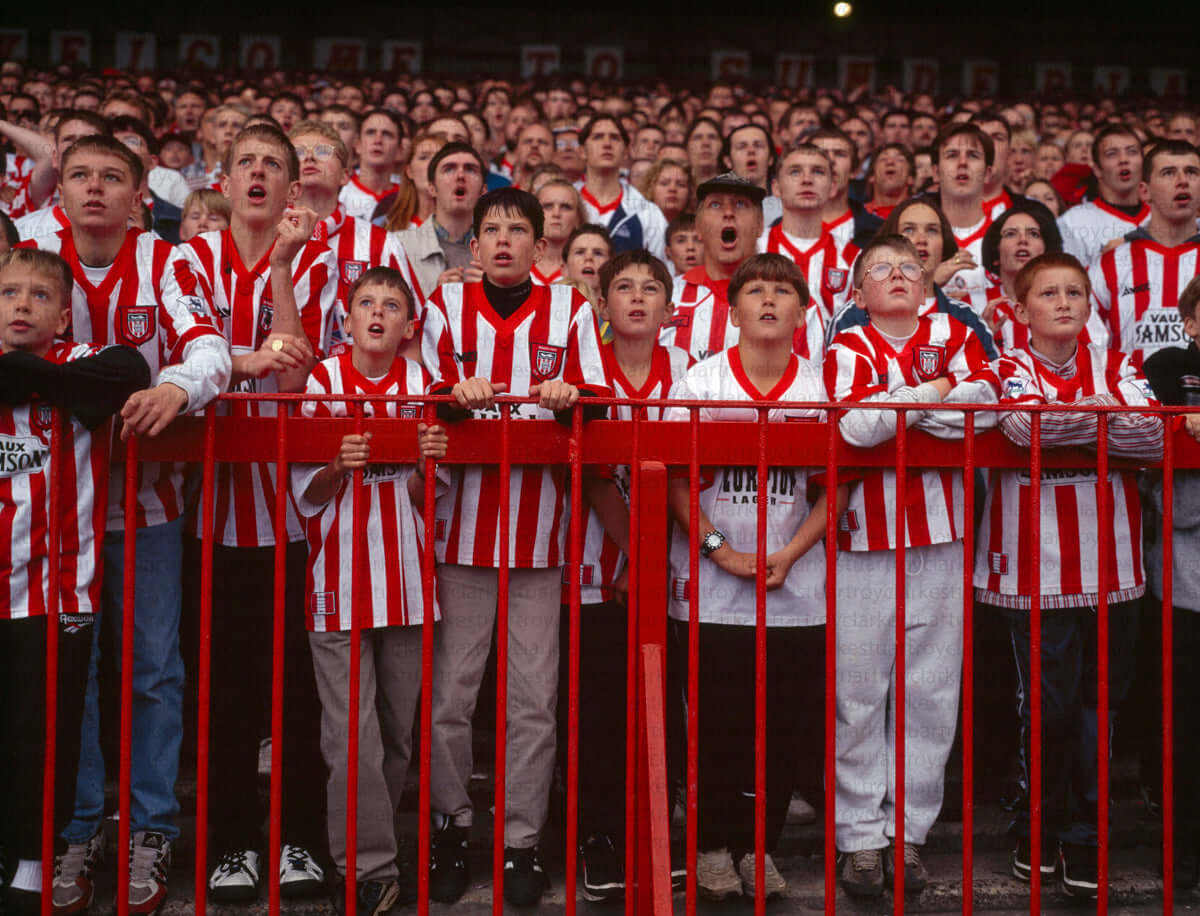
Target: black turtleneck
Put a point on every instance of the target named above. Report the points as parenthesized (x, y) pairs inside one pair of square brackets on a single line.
[(507, 299)]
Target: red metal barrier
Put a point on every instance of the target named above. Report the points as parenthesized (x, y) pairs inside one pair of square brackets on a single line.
[(649, 447)]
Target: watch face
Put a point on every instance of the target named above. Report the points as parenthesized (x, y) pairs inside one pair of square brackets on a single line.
[(712, 541)]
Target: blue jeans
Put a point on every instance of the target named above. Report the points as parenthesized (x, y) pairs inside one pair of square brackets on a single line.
[(157, 686)]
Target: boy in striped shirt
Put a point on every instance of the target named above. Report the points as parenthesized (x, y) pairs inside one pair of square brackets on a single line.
[(480, 340), (898, 357), (389, 604), (1056, 367), (38, 373)]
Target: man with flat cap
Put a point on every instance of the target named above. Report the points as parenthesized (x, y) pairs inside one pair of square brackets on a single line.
[(729, 219)]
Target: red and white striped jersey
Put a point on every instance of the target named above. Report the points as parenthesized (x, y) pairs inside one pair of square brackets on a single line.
[(1087, 227), (25, 506), (1136, 289), (359, 200), (971, 286), (541, 279), (842, 230), (863, 366), (359, 246), (553, 335), (149, 299), (21, 204), (994, 206), (241, 296), (603, 561), (700, 323), (827, 276), (1069, 534), (42, 222), (729, 496), (391, 595), (17, 165)]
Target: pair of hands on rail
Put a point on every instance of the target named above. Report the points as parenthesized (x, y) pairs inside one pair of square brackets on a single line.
[(745, 565), (355, 450), (480, 394)]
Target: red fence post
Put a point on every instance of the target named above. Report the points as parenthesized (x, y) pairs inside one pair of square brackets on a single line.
[(127, 636), (1035, 665), (831, 534), (53, 609), (901, 692), (632, 661), (502, 662), (1168, 670), (653, 858), (1104, 529), (428, 557), (278, 612), (204, 663), (968, 674), (578, 518)]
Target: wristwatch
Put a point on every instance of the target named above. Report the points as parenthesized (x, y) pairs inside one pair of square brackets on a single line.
[(711, 542)]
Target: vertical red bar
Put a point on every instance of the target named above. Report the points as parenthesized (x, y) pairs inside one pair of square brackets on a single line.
[(1168, 668), (204, 663), (760, 672), (428, 556), (502, 665), (358, 562), (127, 631), (53, 608), (653, 887), (693, 664), (1035, 665), (831, 533), (901, 544), (1104, 529), (968, 674), (576, 548), (279, 611), (633, 614), (654, 774)]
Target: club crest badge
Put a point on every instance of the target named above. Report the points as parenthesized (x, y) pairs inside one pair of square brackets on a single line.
[(929, 362), (352, 270), (266, 316), (547, 360), (835, 279), (136, 324)]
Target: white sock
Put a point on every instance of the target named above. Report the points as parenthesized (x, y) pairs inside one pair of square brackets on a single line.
[(28, 876)]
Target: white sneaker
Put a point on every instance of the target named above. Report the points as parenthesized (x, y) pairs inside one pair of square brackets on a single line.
[(715, 874), (149, 862), (773, 883), (299, 873), (235, 879), (73, 888)]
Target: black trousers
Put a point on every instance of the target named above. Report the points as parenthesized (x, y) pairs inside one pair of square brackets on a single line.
[(23, 724), (603, 662), (795, 719), (242, 644), (1070, 726)]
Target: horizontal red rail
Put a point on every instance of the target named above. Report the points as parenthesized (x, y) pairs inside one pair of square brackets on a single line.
[(611, 441)]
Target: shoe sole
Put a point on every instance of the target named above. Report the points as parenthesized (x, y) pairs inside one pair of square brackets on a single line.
[(720, 893), (863, 890), (233, 895), (1024, 873), (1083, 891), (78, 906), (297, 890), (600, 895), (748, 892), (447, 895)]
